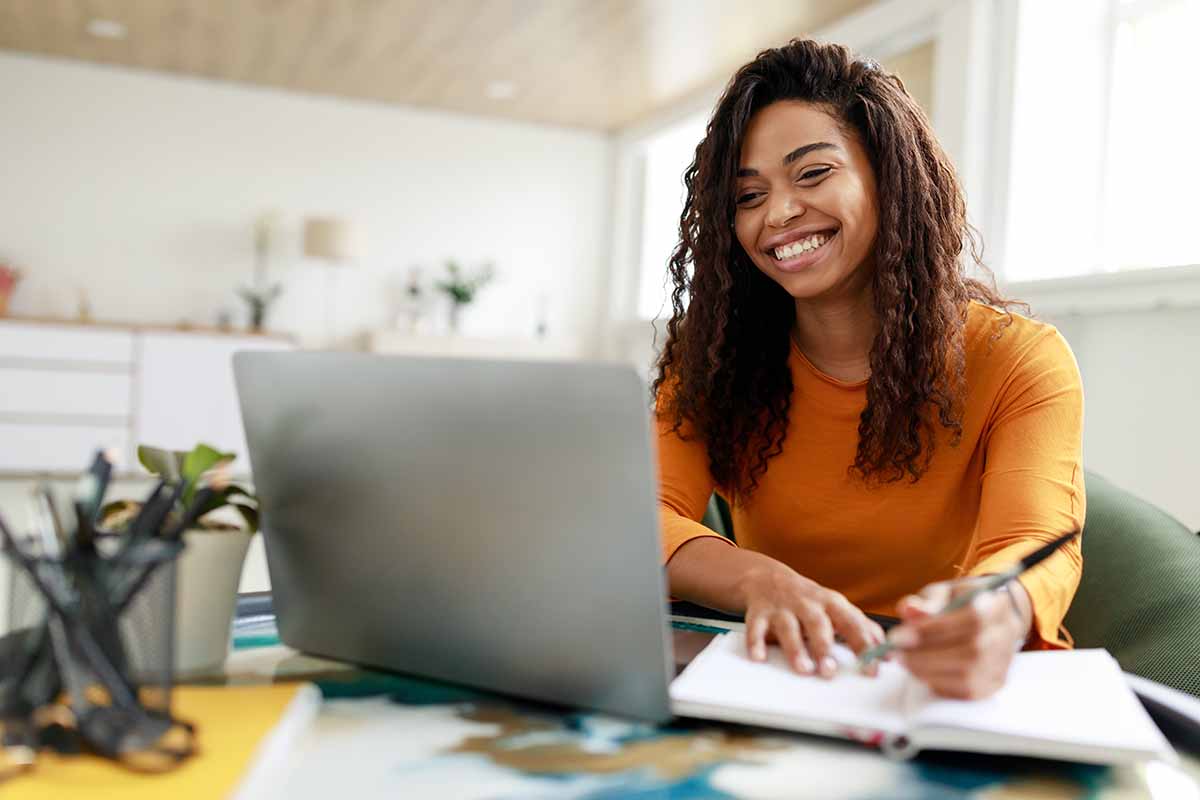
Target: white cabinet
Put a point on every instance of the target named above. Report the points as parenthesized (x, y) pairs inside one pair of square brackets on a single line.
[(56, 447), (186, 392), (58, 391), (78, 344), (66, 390)]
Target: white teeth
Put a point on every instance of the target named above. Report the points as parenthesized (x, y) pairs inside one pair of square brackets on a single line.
[(803, 246)]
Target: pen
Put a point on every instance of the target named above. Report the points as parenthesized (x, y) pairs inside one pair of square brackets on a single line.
[(89, 494), (161, 539), (986, 584)]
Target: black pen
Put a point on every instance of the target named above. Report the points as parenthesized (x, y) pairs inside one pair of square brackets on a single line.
[(89, 494), (986, 584)]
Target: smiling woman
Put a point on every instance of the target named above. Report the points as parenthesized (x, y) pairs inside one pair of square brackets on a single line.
[(884, 427)]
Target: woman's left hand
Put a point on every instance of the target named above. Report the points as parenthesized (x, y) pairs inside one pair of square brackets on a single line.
[(964, 654)]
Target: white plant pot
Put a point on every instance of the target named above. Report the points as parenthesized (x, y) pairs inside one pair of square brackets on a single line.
[(207, 575)]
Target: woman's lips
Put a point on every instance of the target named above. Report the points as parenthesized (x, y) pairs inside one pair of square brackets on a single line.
[(806, 259)]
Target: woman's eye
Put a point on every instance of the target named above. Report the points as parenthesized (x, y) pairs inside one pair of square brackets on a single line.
[(747, 197), (814, 173)]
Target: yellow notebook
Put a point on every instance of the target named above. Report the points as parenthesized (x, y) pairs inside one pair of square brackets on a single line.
[(231, 723)]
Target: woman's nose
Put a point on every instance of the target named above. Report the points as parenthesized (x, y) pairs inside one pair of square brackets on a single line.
[(783, 210)]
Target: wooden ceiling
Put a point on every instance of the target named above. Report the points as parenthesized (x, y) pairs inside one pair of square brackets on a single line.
[(585, 63)]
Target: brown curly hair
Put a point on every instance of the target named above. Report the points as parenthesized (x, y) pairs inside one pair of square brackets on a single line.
[(725, 363)]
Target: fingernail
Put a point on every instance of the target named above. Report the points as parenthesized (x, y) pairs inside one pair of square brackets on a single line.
[(903, 637), (760, 652), (828, 666), (804, 664)]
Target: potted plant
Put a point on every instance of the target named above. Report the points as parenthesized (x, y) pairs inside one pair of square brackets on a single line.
[(262, 294), (462, 288), (210, 566)]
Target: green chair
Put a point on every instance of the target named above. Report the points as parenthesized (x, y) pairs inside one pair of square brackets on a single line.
[(1139, 597), (1140, 593)]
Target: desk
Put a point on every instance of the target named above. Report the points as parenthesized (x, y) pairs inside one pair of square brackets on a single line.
[(388, 735)]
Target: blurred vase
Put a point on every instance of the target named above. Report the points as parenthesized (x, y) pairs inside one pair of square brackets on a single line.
[(208, 572)]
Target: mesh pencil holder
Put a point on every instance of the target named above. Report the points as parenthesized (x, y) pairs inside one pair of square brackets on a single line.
[(87, 663)]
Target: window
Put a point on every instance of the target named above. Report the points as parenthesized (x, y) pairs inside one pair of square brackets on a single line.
[(665, 156), (1103, 160), (1153, 165)]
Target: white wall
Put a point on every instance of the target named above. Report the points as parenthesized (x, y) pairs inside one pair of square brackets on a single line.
[(1141, 383), (143, 190)]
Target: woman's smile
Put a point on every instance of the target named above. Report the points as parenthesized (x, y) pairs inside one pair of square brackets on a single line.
[(803, 252)]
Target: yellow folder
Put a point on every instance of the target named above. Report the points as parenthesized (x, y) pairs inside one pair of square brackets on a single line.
[(231, 722)]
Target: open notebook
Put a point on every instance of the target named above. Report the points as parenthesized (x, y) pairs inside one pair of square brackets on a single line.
[(1072, 705)]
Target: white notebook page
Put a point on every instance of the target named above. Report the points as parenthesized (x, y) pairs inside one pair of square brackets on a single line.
[(724, 676), (1076, 696)]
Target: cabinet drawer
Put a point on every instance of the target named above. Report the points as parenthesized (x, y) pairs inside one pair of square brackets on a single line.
[(64, 343), (36, 448), (47, 391)]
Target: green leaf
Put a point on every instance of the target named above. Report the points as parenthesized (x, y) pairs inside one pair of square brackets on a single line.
[(167, 464), (249, 514), (215, 501), (229, 497), (236, 490), (202, 458)]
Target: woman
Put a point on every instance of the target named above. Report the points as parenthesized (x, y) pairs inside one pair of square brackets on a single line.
[(883, 427)]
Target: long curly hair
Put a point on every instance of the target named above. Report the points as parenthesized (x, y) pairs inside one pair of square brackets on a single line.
[(723, 374)]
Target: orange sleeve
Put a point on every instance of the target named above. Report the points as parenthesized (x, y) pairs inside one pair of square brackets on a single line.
[(1033, 481), (685, 485)]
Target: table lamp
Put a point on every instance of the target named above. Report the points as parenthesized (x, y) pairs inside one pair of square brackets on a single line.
[(332, 240)]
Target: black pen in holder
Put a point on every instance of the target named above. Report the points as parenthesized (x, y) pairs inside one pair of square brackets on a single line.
[(88, 660)]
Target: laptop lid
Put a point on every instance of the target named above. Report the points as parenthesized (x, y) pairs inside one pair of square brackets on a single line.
[(487, 523)]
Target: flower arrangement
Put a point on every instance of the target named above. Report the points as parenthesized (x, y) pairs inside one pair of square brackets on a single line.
[(262, 294), (461, 288), (9, 278)]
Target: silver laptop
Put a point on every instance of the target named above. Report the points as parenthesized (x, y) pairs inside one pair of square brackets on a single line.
[(488, 523)]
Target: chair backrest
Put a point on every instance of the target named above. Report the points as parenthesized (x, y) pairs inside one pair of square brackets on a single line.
[(1140, 593), (718, 518), (1139, 597)]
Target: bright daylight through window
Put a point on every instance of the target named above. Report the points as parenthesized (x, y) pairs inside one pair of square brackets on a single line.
[(666, 156), (1103, 162), (1153, 163)]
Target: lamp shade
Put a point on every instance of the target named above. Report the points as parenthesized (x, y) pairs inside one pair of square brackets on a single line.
[(329, 238)]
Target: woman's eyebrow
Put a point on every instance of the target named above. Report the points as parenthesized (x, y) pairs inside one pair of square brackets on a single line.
[(798, 153)]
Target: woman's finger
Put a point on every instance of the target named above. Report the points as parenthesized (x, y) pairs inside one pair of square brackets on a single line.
[(942, 630), (756, 636), (818, 632), (787, 632), (859, 630), (942, 662), (930, 600)]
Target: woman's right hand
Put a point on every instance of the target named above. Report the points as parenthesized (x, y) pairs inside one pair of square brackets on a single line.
[(803, 617)]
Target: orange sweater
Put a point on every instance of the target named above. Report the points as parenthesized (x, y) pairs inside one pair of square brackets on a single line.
[(1014, 481)]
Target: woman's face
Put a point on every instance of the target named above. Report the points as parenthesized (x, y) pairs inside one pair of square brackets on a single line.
[(806, 205)]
